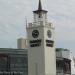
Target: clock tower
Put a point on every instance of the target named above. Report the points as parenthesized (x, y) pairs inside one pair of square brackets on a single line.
[(41, 45)]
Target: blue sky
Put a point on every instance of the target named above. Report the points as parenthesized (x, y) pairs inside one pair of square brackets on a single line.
[(60, 12)]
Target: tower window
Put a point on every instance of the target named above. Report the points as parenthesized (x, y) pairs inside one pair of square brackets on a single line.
[(40, 15)]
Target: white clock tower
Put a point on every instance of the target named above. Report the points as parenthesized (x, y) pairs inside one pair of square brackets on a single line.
[(41, 45)]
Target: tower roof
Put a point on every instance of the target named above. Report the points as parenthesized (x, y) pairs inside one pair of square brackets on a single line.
[(40, 5), (40, 8)]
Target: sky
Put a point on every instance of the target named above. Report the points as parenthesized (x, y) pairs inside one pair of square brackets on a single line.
[(13, 15)]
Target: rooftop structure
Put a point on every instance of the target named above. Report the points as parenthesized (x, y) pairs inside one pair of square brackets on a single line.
[(22, 43)]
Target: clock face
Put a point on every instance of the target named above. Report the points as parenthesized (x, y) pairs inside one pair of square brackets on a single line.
[(35, 33), (49, 33)]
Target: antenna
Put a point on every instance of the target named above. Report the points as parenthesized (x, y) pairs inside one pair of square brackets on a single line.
[(26, 22)]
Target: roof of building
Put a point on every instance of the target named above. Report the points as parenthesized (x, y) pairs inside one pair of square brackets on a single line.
[(61, 49), (13, 51)]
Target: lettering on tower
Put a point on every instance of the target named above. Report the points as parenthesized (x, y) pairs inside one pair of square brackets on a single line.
[(49, 43), (35, 43)]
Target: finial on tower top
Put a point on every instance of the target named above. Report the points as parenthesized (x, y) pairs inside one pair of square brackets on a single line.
[(40, 5), (40, 8)]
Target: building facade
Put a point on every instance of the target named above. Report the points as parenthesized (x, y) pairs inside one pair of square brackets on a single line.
[(13, 61), (72, 64), (63, 62)]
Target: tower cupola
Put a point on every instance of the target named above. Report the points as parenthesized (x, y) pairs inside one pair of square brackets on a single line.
[(40, 15)]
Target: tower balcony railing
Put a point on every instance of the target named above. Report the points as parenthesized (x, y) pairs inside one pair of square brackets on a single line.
[(40, 23)]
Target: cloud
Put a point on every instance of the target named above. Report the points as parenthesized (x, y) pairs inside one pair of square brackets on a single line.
[(60, 12)]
